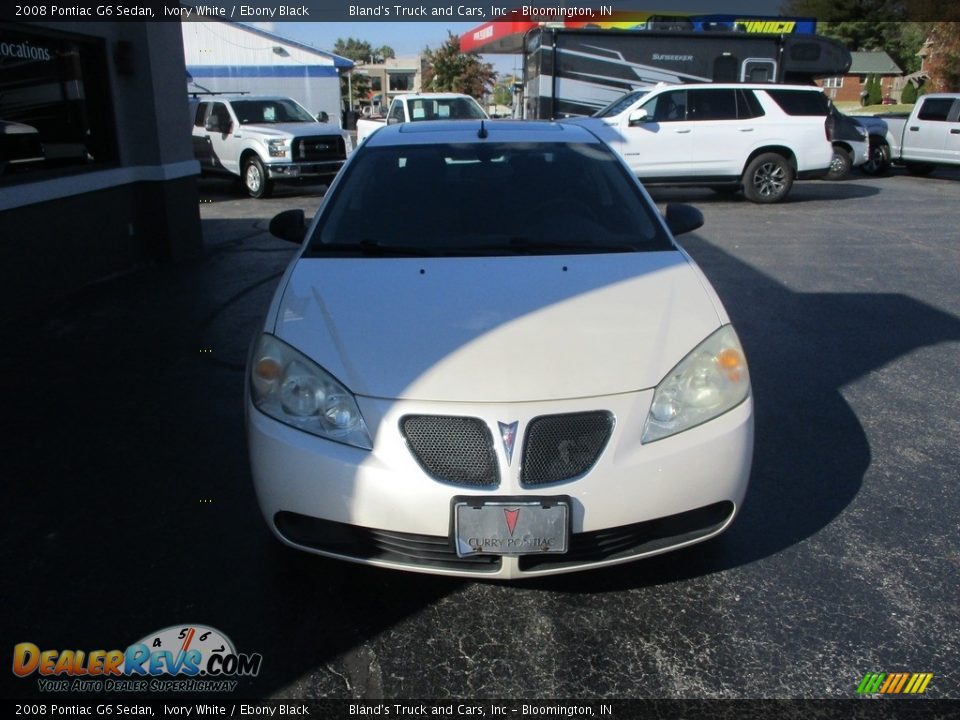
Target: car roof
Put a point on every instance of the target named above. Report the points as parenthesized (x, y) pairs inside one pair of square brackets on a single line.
[(740, 86), (233, 97), (429, 95), (442, 132)]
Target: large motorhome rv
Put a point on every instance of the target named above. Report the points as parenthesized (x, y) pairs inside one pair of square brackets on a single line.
[(570, 72)]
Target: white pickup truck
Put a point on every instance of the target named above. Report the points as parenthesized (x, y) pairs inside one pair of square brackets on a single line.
[(423, 106), (927, 137), (264, 139)]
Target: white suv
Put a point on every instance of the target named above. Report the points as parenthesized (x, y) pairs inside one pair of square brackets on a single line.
[(756, 137)]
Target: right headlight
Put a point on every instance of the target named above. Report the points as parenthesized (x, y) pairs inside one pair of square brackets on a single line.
[(288, 386), (712, 379)]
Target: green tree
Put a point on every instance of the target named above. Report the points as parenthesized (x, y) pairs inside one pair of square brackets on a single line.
[(874, 90), (361, 52), (446, 69), (909, 94)]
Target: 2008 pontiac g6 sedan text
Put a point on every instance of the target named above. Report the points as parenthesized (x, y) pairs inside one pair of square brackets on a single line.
[(490, 359)]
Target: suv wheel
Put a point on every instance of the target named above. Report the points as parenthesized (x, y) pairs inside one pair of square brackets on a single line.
[(768, 178), (255, 180), (840, 165)]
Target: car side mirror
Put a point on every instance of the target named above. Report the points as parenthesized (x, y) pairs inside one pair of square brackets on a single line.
[(682, 218), (323, 117), (289, 225), (638, 117)]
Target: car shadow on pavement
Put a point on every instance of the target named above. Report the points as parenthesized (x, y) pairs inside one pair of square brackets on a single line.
[(811, 451), (801, 193)]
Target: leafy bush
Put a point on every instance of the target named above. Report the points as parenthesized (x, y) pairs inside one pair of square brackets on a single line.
[(909, 94)]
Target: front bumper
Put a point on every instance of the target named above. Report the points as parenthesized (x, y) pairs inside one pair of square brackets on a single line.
[(293, 171), (381, 508)]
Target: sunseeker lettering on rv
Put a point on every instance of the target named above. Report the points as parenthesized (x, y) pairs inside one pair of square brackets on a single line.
[(674, 58)]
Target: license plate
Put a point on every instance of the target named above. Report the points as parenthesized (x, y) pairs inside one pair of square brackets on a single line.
[(509, 527)]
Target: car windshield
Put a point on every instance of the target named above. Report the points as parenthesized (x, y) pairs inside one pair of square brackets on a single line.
[(268, 112), (445, 109), (621, 104), (488, 199)]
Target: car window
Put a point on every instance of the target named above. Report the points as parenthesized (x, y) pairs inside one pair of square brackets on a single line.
[(220, 115), (747, 105), (712, 105), (267, 112), (491, 198), (801, 102), (396, 112), (621, 104), (200, 117), (937, 109), (667, 106)]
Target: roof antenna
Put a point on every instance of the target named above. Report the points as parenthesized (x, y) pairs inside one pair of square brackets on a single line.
[(482, 133)]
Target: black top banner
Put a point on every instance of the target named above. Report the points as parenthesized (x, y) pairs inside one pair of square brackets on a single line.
[(429, 10)]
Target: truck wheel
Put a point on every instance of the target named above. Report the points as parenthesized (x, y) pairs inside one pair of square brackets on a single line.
[(840, 165), (878, 161), (255, 180), (919, 169), (768, 178)]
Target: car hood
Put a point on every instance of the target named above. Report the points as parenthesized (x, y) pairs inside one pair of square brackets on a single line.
[(502, 329), (303, 129)]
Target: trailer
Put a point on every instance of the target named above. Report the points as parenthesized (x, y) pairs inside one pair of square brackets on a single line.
[(572, 72)]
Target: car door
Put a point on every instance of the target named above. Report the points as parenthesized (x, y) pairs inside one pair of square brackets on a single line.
[(721, 141), (952, 146), (219, 127), (927, 131), (660, 145), (201, 143)]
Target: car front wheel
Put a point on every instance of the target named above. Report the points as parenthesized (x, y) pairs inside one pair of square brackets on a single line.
[(255, 180), (878, 161), (768, 178), (840, 165)]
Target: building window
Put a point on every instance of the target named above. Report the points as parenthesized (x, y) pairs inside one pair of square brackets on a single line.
[(56, 114), (401, 82), (376, 83), (834, 82)]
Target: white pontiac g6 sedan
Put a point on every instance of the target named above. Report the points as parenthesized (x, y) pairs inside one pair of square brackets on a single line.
[(490, 359)]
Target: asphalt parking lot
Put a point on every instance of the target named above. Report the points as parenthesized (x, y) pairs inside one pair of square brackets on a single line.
[(130, 507)]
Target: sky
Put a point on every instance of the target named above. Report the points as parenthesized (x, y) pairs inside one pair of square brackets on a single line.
[(408, 38)]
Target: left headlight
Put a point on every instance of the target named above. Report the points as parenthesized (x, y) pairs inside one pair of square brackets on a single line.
[(288, 386), (708, 382), (278, 147)]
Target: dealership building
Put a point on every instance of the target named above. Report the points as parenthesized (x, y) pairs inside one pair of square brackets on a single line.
[(97, 174)]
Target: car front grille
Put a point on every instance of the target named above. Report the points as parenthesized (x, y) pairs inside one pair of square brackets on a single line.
[(639, 538), (369, 544), (318, 149), (562, 447), (452, 449)]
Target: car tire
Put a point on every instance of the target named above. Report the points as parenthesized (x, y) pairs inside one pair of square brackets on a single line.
[(768, 178), (878, 160), (919, 169), (255, 181), (840, 165)]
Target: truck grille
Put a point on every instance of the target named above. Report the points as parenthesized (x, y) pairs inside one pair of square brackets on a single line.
[(561, 447), (452, 449), (318, 149)]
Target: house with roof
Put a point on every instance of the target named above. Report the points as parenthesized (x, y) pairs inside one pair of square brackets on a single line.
[(852, 86), (229, 57)]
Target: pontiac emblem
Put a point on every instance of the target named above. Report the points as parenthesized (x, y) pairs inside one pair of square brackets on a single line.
[(512, 515), (508, 433)]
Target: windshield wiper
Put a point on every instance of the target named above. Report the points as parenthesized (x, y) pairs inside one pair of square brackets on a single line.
[(371, 248)]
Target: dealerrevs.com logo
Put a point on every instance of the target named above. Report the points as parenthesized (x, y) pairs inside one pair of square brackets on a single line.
[(180, 658), (900, 683)]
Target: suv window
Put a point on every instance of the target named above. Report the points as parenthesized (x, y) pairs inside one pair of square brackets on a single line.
[(748, 106), (801, 102), (935, 109), (667, 107), (712, 104)]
